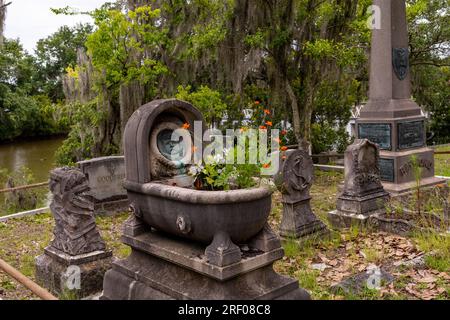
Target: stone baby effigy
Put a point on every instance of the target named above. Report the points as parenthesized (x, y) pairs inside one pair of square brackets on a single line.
[(188, 243), (76, 258)]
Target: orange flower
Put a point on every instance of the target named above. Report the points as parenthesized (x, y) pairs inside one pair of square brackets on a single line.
[(257, 102), (244, 129), (269, 123), (263, 127), (186, 126), (266, 166), (266, 111), (284, 132), (284, 148)]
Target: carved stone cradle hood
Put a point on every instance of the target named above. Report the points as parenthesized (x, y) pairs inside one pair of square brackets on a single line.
[(236, 215)]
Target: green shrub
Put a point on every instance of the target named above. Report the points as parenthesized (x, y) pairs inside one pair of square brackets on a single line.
[(326, 138), (208, 101), (80, 143)]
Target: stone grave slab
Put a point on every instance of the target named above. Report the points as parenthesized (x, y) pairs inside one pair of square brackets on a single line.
[(105, 176)]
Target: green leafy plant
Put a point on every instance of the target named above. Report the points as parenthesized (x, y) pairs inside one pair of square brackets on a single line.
[(219, 173), (215, 174), (208, 101)]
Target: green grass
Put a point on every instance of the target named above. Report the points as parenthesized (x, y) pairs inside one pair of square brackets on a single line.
[(68, 295), (111, 230), (7, 285), (442, 162), (372, 255), (437, 248), (23, 239), (308, 280), (324, 192), (291, 248), (354, 232)]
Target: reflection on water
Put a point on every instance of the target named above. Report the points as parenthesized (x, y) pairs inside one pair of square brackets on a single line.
[(37, 155)]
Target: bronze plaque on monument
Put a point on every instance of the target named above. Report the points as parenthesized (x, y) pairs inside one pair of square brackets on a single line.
[(387, 170), (379, 133), (411, 134)]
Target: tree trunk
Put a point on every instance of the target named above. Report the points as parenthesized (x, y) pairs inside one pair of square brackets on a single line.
[(307, 114), (131, 98), (295, 114)]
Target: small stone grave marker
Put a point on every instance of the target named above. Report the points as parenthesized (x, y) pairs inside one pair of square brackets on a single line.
[(363, 195), (105, 176)]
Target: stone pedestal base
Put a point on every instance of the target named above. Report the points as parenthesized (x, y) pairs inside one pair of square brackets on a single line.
[(341, 220), (300, 223), (364, 205), (356, 210), (404, 189), (77, 276), (164, 268)]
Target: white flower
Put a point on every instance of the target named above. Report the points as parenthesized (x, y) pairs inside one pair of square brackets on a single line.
[(195, 170), (218, 158)]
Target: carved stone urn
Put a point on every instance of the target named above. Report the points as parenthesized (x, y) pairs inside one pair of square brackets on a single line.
[(161, 195), (188, 243)]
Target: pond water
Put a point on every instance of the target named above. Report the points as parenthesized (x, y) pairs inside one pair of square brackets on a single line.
[(37, 155)]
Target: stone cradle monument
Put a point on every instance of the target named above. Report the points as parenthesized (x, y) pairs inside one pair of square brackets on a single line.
[(363, 195), (105, 177), (294, 182), (190, 244), (391, 118), (76, 259)]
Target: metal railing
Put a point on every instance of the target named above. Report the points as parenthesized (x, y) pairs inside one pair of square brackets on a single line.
[(10, 270), (28, 283), (30, 186), (28, 212)]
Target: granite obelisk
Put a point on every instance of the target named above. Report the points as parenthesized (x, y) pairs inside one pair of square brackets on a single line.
[(391, 118)]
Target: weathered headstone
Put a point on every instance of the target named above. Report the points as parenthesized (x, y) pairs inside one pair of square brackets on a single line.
[(77, 258), (391, 118), (105, 176), (363, 195), (294, 181)]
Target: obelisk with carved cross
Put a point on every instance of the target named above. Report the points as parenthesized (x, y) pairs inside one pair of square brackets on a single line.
[(391, 118)]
